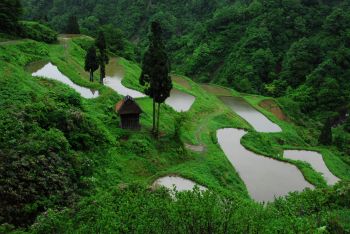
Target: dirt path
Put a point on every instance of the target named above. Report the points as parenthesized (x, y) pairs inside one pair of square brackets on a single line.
[(201, 128), (11, 42)]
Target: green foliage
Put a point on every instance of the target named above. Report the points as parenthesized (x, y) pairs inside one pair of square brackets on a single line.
[(91, 62), (155, 72), (38, 32), (72, 25), (59, 146), (264, 47), (347, 125), (118, 43), (326, 134), (10, 12), (103, 56), (135, 209)]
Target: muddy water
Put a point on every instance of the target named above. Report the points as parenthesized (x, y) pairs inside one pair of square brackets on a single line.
[(181, 81), (180, 101), (271, 106), (259, 121), (180, 183), (315, 160), (50, 71), (264, 177), (114, 77), (216, 90)]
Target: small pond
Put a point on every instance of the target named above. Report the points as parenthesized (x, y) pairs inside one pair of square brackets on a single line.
[(180, 183), (315, 159), (256, 119), (50, 71), (265, 178)]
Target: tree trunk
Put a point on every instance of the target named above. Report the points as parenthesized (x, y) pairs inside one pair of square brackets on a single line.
[(158, 117), (102, 73), (91, 76), (154, 117)]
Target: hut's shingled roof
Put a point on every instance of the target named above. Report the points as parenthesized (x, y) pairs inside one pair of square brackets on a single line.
[(127, 106)]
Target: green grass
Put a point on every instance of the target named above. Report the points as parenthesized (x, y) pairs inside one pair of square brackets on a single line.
[(207, 115), (136, 157)]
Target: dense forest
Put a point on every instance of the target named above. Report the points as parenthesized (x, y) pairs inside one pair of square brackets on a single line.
[(253, 46), (66, 166), (298, 49)]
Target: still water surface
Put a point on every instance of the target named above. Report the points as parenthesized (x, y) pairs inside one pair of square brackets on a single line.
[(50, 71), (114, 77), (315, 159), (256, 119), (180, 101), (180, 183), (265, 178)]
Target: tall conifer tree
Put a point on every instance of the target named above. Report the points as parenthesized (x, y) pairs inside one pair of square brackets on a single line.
[(91, 62), (155, 73), (103, 57)]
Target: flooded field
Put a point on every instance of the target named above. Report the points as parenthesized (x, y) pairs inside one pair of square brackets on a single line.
[(180, 101), (315, 159), (264, 177), (216, 90), (50, 71), (259, 121), (114, 77)]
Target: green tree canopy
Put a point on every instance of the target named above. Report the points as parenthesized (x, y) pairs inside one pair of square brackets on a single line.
[(103, 57), (72, 25), (326, 133), (91, 62), (155, 71), (10, 12)]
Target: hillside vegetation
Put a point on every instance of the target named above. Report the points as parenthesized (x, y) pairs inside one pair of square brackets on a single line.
[(72, 162), (295, 49), (66, 166), (252, 46)]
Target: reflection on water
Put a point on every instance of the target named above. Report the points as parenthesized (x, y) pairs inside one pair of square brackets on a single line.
[(264, 177), (114, 77), (315, 160), (180, 101), (259, 121), (180, 183), (50, 71)]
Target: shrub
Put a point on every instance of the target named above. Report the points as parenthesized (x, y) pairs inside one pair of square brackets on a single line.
[(38, 32)]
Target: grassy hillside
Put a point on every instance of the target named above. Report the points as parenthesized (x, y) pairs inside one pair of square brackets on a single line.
[(65, 159), (298, 50)]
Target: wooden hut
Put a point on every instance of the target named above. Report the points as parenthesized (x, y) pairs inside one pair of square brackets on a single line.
[(129, 112)]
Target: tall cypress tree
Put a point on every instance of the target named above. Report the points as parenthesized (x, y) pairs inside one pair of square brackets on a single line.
[(155, 73), (103, 57), (326, 133), (10, 12), (91, 62), (72, 25)]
